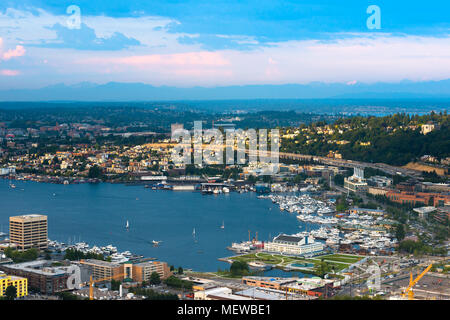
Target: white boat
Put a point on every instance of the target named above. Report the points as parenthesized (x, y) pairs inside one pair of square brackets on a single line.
[(156, 243), (258, 265), (223, 225), (226, 190), (127, 225)]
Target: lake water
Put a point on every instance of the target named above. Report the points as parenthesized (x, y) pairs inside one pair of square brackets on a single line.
[(97, 214)]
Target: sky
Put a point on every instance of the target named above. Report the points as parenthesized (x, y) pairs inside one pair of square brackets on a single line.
[(221, 43)]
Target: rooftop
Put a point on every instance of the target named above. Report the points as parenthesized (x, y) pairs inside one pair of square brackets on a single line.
[(41, 267), (100, 263), (284, 237), (29, 216)]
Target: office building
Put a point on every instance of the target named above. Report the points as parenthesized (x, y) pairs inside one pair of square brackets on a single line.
[(28, 231)]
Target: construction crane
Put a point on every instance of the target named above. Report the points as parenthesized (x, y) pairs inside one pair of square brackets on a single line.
[(408, 291), (92, 282)]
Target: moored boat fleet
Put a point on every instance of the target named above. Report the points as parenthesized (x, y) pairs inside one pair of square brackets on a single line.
[(107, 251), (362, 231)]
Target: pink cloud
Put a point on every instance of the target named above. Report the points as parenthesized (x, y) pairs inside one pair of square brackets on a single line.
[(13, 53), (176, 59), (9, 73)]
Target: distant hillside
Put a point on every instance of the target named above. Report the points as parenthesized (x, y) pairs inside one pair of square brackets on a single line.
[(115, 91)]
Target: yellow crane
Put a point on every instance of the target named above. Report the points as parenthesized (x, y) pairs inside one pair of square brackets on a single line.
[(92, 282), (408, 291)]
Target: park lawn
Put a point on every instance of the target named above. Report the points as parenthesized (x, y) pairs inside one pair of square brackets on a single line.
[(339, 263), (341, 258)]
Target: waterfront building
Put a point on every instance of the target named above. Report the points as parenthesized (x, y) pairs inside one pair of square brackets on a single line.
[(100, 269), (28, 231), (20, 283), (293, 245), (7, 171)]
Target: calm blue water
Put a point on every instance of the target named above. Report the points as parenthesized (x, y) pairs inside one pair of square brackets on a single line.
[(97, 214)]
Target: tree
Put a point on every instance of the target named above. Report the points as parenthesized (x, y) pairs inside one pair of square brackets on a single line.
[(342, 206), (400, 232), (321, 268), (339, 179), (155, 278), (95, 172), (239, 268), (10, 292), (180, 270), (18, 256), (115, 285)]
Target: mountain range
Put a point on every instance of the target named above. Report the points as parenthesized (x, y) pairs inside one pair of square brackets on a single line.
[(120, 91)]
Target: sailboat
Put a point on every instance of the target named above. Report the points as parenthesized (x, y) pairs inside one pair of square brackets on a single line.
[(223, 225), (127, 226), (193, 235)]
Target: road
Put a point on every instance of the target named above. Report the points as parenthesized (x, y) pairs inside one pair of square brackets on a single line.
[(392, 170)]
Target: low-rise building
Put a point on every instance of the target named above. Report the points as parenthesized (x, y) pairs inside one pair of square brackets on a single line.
[(355, 184), (142, 271), (376, 212), (40, 274), (220, 293), (267, 282), (415, 198), (375, 191), (100, 269), (293, 245), (424, 211), (379, 181), (20, 283)]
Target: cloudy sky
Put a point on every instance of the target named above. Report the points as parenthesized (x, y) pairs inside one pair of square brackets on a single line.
[(219, 43)]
